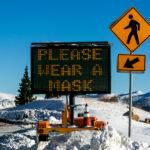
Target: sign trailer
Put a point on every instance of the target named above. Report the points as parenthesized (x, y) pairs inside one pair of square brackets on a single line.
[(75, 67)]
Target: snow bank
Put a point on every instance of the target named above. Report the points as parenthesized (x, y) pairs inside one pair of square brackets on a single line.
[(6, 100), (36, 110), (113, 114), (7, 96), (5, 103), (20, 141), (108, 139), (29, 116)]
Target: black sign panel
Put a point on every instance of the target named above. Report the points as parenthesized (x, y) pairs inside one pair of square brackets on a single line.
[(64, 68)]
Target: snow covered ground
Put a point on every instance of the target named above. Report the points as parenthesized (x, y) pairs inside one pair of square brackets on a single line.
[(113, 113), (6, 100), (107, 139), (113, 137)]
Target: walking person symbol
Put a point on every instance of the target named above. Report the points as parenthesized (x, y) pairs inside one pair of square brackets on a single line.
[(135, 26)]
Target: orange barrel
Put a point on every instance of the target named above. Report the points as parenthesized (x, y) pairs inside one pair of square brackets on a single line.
[(87, 118)]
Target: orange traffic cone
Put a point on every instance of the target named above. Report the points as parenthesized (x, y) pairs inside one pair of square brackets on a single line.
[(87, 119)]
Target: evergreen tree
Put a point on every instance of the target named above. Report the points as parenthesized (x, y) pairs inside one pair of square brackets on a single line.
[(25, 93)]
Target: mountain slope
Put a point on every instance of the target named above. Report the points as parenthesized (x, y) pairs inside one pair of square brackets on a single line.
[(6, 100), (140, 100), (143, 102)]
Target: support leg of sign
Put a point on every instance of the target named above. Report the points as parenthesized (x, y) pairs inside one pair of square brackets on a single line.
[(72, 103), (67, 100), (130, 102)]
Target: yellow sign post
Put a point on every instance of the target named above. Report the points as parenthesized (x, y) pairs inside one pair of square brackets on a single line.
[(131, 29), (134, 63)]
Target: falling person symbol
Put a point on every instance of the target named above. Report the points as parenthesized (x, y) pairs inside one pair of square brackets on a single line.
[(135, 26)]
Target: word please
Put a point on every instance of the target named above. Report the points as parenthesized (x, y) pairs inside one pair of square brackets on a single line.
[(67, 54)]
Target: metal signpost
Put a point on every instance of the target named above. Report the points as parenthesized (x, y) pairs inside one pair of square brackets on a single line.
[(132, 30)]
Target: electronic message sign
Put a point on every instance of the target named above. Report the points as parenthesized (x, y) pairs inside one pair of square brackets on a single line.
[(75, 67)]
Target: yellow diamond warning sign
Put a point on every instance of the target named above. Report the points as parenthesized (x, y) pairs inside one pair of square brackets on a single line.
[(131, 29), (128, 63)]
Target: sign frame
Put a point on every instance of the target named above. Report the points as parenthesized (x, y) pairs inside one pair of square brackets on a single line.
[(106, 45)]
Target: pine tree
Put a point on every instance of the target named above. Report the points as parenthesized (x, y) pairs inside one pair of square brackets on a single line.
[(25, 93)]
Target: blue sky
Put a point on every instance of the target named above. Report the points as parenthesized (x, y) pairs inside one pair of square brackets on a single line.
[(24, 22)]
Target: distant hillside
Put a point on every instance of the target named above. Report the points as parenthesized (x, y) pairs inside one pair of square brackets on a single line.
[(140, 100), (135, 96), (143, 102)]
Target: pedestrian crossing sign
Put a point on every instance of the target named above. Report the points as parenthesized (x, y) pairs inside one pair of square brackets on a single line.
[(131, 29)]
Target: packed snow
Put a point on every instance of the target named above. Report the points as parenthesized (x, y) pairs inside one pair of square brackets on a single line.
[(107, 139), (18, 140), (7, 96), (113, 137), (113, 113), (31, 112), (6, 100)]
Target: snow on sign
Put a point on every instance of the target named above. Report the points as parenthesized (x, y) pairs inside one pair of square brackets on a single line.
[(63, 68), (128, 63), (131, 29)]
